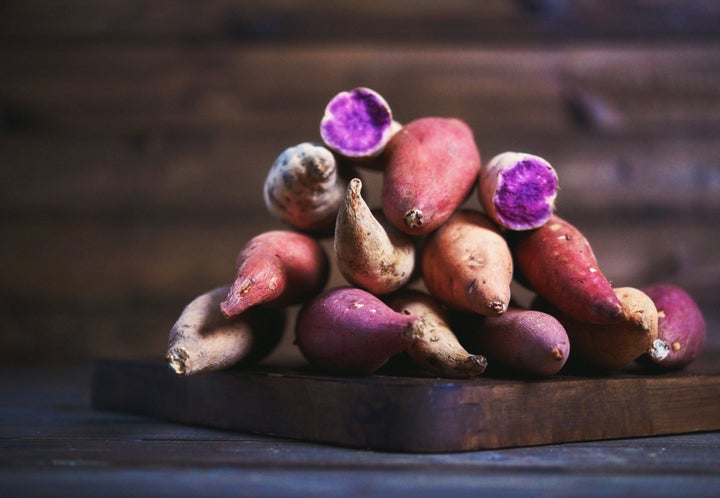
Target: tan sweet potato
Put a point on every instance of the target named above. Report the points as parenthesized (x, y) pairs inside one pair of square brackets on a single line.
[(203, 339), (431, 166), (467, 265), (435, 347), (612, 346), (557, 262), (370, 253)]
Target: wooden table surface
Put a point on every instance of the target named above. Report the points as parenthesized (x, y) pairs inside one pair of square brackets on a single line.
[(52, 443)]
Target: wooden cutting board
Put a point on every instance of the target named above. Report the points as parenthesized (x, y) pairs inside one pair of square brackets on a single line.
[(415, 413)]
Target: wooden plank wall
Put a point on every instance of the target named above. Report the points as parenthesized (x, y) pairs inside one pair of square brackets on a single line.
[(135, 136)]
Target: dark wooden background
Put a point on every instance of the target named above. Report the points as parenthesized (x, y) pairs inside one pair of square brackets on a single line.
[(135, 137)]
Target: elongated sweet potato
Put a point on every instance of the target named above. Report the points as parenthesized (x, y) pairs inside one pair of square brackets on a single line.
[(348, 330), (467, 265), (436, 347), (520, 341), (611, 346), (557, 262), (203, 339), (681, 327), (370, 253), (431, 166), (277, 268)]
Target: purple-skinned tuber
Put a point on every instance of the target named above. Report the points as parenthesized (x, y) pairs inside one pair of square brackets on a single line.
[(357, 124), (348, 330), (518, 190)]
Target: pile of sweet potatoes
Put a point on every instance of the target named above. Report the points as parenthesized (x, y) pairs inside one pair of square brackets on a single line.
[(428, 279)]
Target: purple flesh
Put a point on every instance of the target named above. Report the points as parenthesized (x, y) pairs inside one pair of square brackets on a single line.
[(525, 195), (356, 123)]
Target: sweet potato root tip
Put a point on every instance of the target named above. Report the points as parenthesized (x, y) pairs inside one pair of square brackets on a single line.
[(357, 123)]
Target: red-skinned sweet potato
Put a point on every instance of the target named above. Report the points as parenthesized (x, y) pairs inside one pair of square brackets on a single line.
[(431, 166), (277, 268), (467, 265), (348, 330), (557, 262), (681, 327)]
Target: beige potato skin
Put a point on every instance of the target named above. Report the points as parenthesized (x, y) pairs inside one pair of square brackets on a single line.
[(467, 264), (615, 346), (370, 253), (203, 339), (436, 347)]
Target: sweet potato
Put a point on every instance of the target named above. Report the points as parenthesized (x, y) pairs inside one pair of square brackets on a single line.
[(370, 253), (557, 262), (435, 347), (203, 339), (681, 327), (358, 124), (611, 346), (431, 166), (348, 330), (520, 341), (277, 268), (305, 186), (467, 264), (518, 190)]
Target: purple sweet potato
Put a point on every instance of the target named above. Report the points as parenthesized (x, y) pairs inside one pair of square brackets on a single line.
[(467, 265), (357, 124), (277, 268), (518, 190), (431, 166), (519, 341), (681, 327), (348, 330), (557, 262)]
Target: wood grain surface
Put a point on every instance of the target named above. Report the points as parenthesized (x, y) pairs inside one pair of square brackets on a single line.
[(391, 412)]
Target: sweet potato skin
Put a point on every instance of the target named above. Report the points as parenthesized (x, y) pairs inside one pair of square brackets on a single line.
[(613, 346), (520, 341), (430, 168), (203, 339), (681, 327), (277, 268), (435, 348), (467, 265), (350, 331), (557, 261)]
